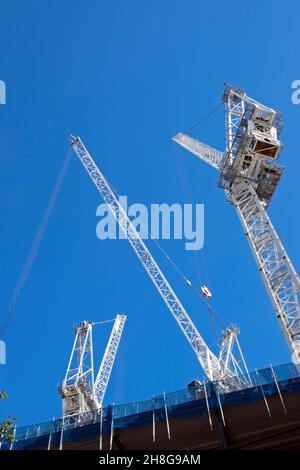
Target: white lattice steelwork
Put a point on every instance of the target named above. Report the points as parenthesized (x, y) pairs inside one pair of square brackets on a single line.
[(235, 107), (108, 359), (204, 152), (79, 391), (228, 357), (249, 175), (279, 276), (228, 339), (205, 356)]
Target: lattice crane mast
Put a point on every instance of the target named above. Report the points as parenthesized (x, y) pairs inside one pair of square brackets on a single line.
[(108, 360), (249, 174), (207, 359), (80, 392)]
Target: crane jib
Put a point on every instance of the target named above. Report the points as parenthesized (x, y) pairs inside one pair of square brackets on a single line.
[(205, 356)]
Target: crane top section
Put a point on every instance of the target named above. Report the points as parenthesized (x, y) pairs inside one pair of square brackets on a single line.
[(253, 145), (249, 173), (81, 328), (238, 96), (80, 392)]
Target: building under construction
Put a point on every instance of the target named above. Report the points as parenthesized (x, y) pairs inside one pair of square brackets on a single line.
[(231, 408), (263, 416)]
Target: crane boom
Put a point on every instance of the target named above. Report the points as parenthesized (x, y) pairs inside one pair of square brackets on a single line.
[(208, 361), (204, 152), (108, 360)]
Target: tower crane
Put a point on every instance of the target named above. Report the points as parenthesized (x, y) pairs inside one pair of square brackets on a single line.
[(249, 174), (80, 391), (208, 360)]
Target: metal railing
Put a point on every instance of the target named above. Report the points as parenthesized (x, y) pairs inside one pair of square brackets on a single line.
[(260, 378)]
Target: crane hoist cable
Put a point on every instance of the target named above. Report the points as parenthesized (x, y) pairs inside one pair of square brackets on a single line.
[(187, 195), (33, 249), (186, 189), (204, 118), (200, 264), (199, 257), (227, 375), (207, 304), (103, 322)]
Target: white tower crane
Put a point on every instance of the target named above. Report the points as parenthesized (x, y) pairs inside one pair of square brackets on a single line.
[(79, 391), (208, 360), (249, 175), (108, 360)]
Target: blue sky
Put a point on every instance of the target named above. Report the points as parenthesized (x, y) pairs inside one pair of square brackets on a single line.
[(126, 77)]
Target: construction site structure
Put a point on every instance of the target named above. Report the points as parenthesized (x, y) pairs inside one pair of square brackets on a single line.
[(253, 411), (265, 415), (81, 392), (229, 373), (249, 174)]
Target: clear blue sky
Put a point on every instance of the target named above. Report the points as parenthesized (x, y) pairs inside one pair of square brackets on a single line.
[(126, 77)]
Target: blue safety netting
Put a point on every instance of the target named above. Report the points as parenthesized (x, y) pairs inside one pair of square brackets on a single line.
[(187, 403)]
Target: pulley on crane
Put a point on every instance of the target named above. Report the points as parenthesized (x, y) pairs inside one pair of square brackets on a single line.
[(206, 292)]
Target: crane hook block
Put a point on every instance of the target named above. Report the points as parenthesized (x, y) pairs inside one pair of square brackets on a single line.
[(206, 292)]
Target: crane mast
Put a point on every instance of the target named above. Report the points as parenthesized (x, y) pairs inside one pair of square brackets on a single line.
[(77, 389), (80, 392), (249, 174), (207, 359)]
